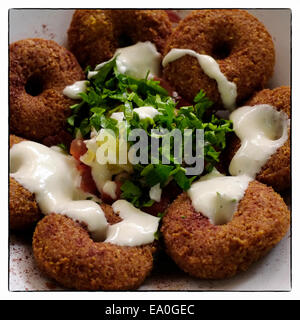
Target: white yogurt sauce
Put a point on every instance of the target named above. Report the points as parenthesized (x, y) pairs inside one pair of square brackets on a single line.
[(54, 179), (262, 130), (103, 169), (217, 197), (136, 61), (210, 67), (146, 112), (143, 113), (119, 116), (155, 193), (137, 227), (110, 188), (101, 175), (72, 91)]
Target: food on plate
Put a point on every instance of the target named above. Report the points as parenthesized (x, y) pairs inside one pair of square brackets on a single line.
[(23, 209), (95, 35), (217, 251), (138, 169), (64, 250), (234, 49), (39, 70), (279, 98), (275, 170), (123, 233), (144, 105)]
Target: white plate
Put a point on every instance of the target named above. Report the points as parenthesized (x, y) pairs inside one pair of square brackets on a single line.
[(272, 273)]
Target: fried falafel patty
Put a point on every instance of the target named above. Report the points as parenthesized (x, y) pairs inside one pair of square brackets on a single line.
[(277, 170), (212, 251), (23, 209), (94, 35), (39, 71), (64, 250), (238, 42)]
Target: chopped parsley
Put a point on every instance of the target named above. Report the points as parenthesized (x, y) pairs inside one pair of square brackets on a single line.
[(109, 91), (63, 147)]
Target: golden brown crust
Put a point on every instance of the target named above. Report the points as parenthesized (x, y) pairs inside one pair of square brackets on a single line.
[(46, 64), (219, 251), (93, 35), (65, 252), (276, 172), (23, 209), (280, 98), (247, 47), (13, 139)]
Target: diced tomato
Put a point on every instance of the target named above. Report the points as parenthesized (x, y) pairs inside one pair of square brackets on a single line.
[(106, 198), (78, 148), (174, 17), (118, 191), (87, 181)]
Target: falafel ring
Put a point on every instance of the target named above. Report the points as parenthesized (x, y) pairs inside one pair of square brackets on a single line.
[(65, 252), (23, 209), (39, 71), (210, 251), (240, 44), (94, 35), (277, 170)]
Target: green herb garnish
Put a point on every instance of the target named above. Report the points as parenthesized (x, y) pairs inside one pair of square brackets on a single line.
[(131, 192), (157, 235), (110, 91), (63, 147)]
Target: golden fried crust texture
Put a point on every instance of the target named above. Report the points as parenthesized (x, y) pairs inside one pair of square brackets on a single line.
[(212, 251), (94, 35), (276, 172), (39, 71), (64, 250), (237, 40), (23, 209)]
